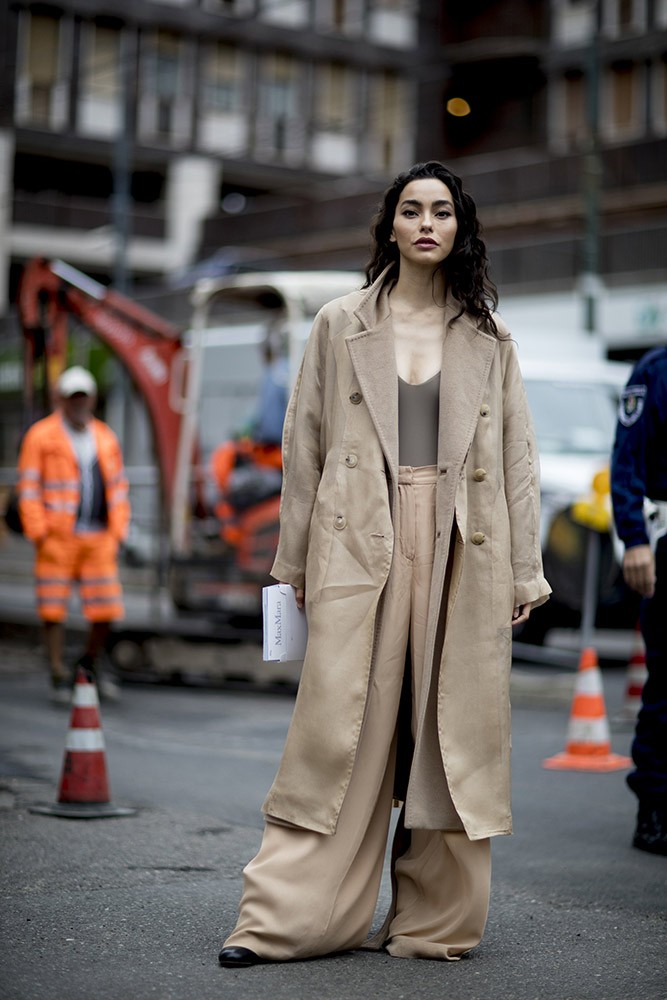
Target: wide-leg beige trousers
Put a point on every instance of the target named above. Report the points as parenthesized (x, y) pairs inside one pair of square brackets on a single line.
[(307, 893)]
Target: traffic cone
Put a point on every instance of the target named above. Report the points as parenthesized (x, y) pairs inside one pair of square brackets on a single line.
[(588, 743), (635, 679), (84, 785)]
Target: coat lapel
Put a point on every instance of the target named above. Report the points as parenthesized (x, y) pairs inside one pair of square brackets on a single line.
[(374, 361), (467, 354)]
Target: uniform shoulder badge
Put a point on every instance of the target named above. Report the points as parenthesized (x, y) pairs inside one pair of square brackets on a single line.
[(633, 398)]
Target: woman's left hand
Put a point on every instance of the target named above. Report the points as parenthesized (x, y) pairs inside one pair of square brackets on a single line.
[(521, 614)]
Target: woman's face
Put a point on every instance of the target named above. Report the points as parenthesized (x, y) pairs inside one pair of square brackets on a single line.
[(425, 222)]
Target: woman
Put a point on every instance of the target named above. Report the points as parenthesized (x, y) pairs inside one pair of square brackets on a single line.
[(409, 524)]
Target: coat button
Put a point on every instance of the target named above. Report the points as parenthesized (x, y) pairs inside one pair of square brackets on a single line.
[(479, 475), (339, 522), (355, 398), (351, 461), (485, 410), (478, 538)]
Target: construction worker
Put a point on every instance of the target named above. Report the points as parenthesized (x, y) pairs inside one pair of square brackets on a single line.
[(639, 494), (73, 501), (258, 450), (273, 394)]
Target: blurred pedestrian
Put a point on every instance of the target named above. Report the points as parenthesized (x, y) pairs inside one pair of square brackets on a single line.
[(410, 518), (639, 493), (73, 501), (273, 393)]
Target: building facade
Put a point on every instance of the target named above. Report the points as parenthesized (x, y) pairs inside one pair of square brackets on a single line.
[(564, 147), (145, 117), (555, 115), (259, 133)]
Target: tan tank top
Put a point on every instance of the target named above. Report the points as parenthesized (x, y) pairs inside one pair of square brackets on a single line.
[(418, 418)]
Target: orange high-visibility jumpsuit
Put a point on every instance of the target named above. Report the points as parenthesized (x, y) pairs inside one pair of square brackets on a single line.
[(49, 497), (234, 529)]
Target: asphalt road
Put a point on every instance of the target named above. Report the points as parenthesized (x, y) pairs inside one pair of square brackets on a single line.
[(137, 907)]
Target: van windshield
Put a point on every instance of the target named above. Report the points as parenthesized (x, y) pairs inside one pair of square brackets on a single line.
[(573, 417)]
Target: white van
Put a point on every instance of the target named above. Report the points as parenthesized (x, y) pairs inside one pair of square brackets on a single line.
[(574, 405)]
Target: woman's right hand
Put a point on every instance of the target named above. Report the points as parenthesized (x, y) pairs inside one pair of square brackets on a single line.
[(299, 593)]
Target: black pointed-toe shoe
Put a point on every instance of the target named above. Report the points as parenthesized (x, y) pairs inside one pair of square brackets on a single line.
[(239, 958)]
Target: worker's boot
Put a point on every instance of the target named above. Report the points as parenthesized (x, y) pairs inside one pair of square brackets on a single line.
[(61, 684), (61, 689)]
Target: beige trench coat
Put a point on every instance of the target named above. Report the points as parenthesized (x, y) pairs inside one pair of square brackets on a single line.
[(340, 457)]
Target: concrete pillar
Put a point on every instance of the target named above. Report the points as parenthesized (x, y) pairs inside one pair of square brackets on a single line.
[(193, 190), (6, 192)]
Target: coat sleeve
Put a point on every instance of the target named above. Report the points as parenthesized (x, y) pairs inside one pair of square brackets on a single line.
[(302, 458), (522, 488), (31, 503)]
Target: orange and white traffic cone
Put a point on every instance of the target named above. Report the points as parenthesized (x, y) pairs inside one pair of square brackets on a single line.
[(634, 681), (84, 785), (588, 743)]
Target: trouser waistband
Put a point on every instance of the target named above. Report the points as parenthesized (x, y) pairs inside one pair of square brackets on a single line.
[(417, 476)]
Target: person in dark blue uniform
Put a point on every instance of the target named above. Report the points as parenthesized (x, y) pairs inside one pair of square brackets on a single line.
[(639, 494)]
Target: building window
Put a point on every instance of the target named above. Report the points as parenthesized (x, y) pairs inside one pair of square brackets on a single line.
[(622, 101), (623, 17), (660, 13), (42, 89), (222, 82), (165, 101), (279, 129), (659, 96), (279, 88), (166, 73), (99, 110), (334, 97), (335, 143), (575, 126), (223, 123), (390, 135), (340, 16)]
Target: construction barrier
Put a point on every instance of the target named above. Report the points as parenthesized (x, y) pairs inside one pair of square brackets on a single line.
[(588, 743), (84, 784)]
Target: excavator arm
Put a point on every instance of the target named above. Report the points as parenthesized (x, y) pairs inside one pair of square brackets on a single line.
[(147, 345)]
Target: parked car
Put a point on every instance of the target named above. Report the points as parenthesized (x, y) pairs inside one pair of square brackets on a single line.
[(574, 406)]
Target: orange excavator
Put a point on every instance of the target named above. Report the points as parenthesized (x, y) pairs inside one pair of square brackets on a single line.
[(203, 578), (50, 293)]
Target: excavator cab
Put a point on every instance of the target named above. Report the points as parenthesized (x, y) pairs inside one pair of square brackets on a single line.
[(247, 329)]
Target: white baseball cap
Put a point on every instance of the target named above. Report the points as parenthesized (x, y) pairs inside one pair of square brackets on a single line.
[(76, 379)]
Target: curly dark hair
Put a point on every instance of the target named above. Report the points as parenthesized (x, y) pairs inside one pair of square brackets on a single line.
[(465, 269)]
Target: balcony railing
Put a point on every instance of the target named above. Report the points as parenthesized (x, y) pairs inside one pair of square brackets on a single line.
[(63, 212)]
